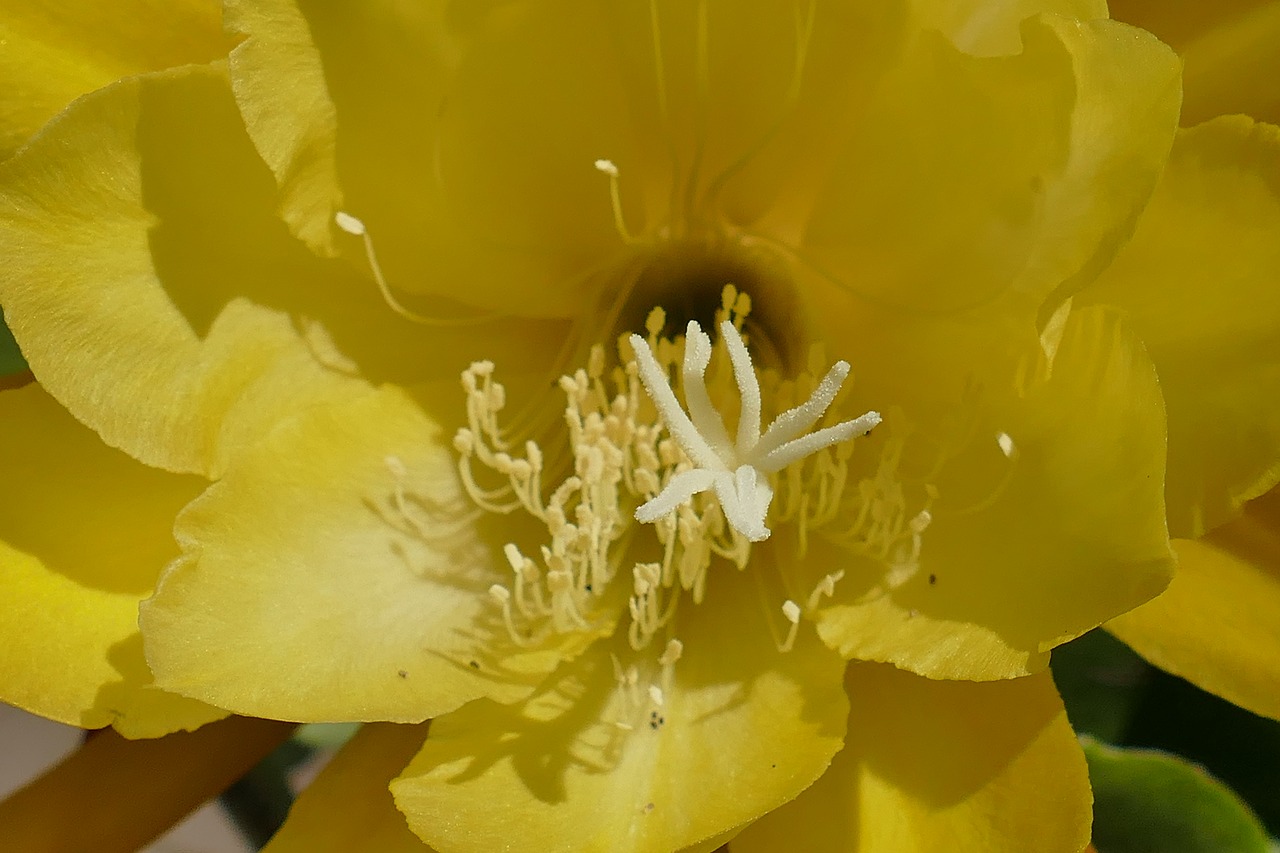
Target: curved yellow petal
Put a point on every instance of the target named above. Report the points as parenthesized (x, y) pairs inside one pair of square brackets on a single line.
[(1048, 522), (280, 88), (936, 765), (740, 729), (146, 274), (743, 153), (465, 139), (348, 807), (1227, 69), (337, 572), (53, 54), (468, 146), (1228, 50), (84, 532), (1179, 23), (969, 178), (1218, 623), (1198, 281), (986, 28)]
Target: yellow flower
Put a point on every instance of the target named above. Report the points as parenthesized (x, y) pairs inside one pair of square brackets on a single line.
[(927, 193)]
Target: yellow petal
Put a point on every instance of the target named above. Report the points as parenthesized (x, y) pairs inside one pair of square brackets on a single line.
[(930, 765), (53, 54), (519, 102), (985, 28), (1218, 624), (738, 152), (1228, 49), (1005, 200), (306, 593), (348, 807), (741, 729), (145, 271), (1228, 69), (1179, 23), (84, 532), (1029, 549), (1198, 281), (465, 140), (280, 88)]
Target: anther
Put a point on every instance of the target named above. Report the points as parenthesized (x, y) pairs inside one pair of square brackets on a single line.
[(674, 650), (502, 595), (396, 466)]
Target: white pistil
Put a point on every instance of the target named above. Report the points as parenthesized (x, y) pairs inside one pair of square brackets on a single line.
[(738, 472)]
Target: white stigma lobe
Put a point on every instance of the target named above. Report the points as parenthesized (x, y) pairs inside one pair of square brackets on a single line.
[(736, 470)]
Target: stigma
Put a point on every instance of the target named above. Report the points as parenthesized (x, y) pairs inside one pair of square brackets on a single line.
[(736, 470)]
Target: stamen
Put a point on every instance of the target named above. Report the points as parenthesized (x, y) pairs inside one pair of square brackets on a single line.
[(502, 595), (357, 228), (706, 489), (826, 588), (791, 611), (615, 200), (1010, 450)]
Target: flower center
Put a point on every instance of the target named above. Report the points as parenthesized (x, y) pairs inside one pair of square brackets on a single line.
[(652, 493)]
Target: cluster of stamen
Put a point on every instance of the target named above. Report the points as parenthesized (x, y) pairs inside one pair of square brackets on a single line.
[(637, 455)]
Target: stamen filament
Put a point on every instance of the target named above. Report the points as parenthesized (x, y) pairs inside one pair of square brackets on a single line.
[(356, 228), (615, 200)]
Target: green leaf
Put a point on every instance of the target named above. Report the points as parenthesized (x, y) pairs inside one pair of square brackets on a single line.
[(11, 360), (1147, 801), (1238, 747)]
